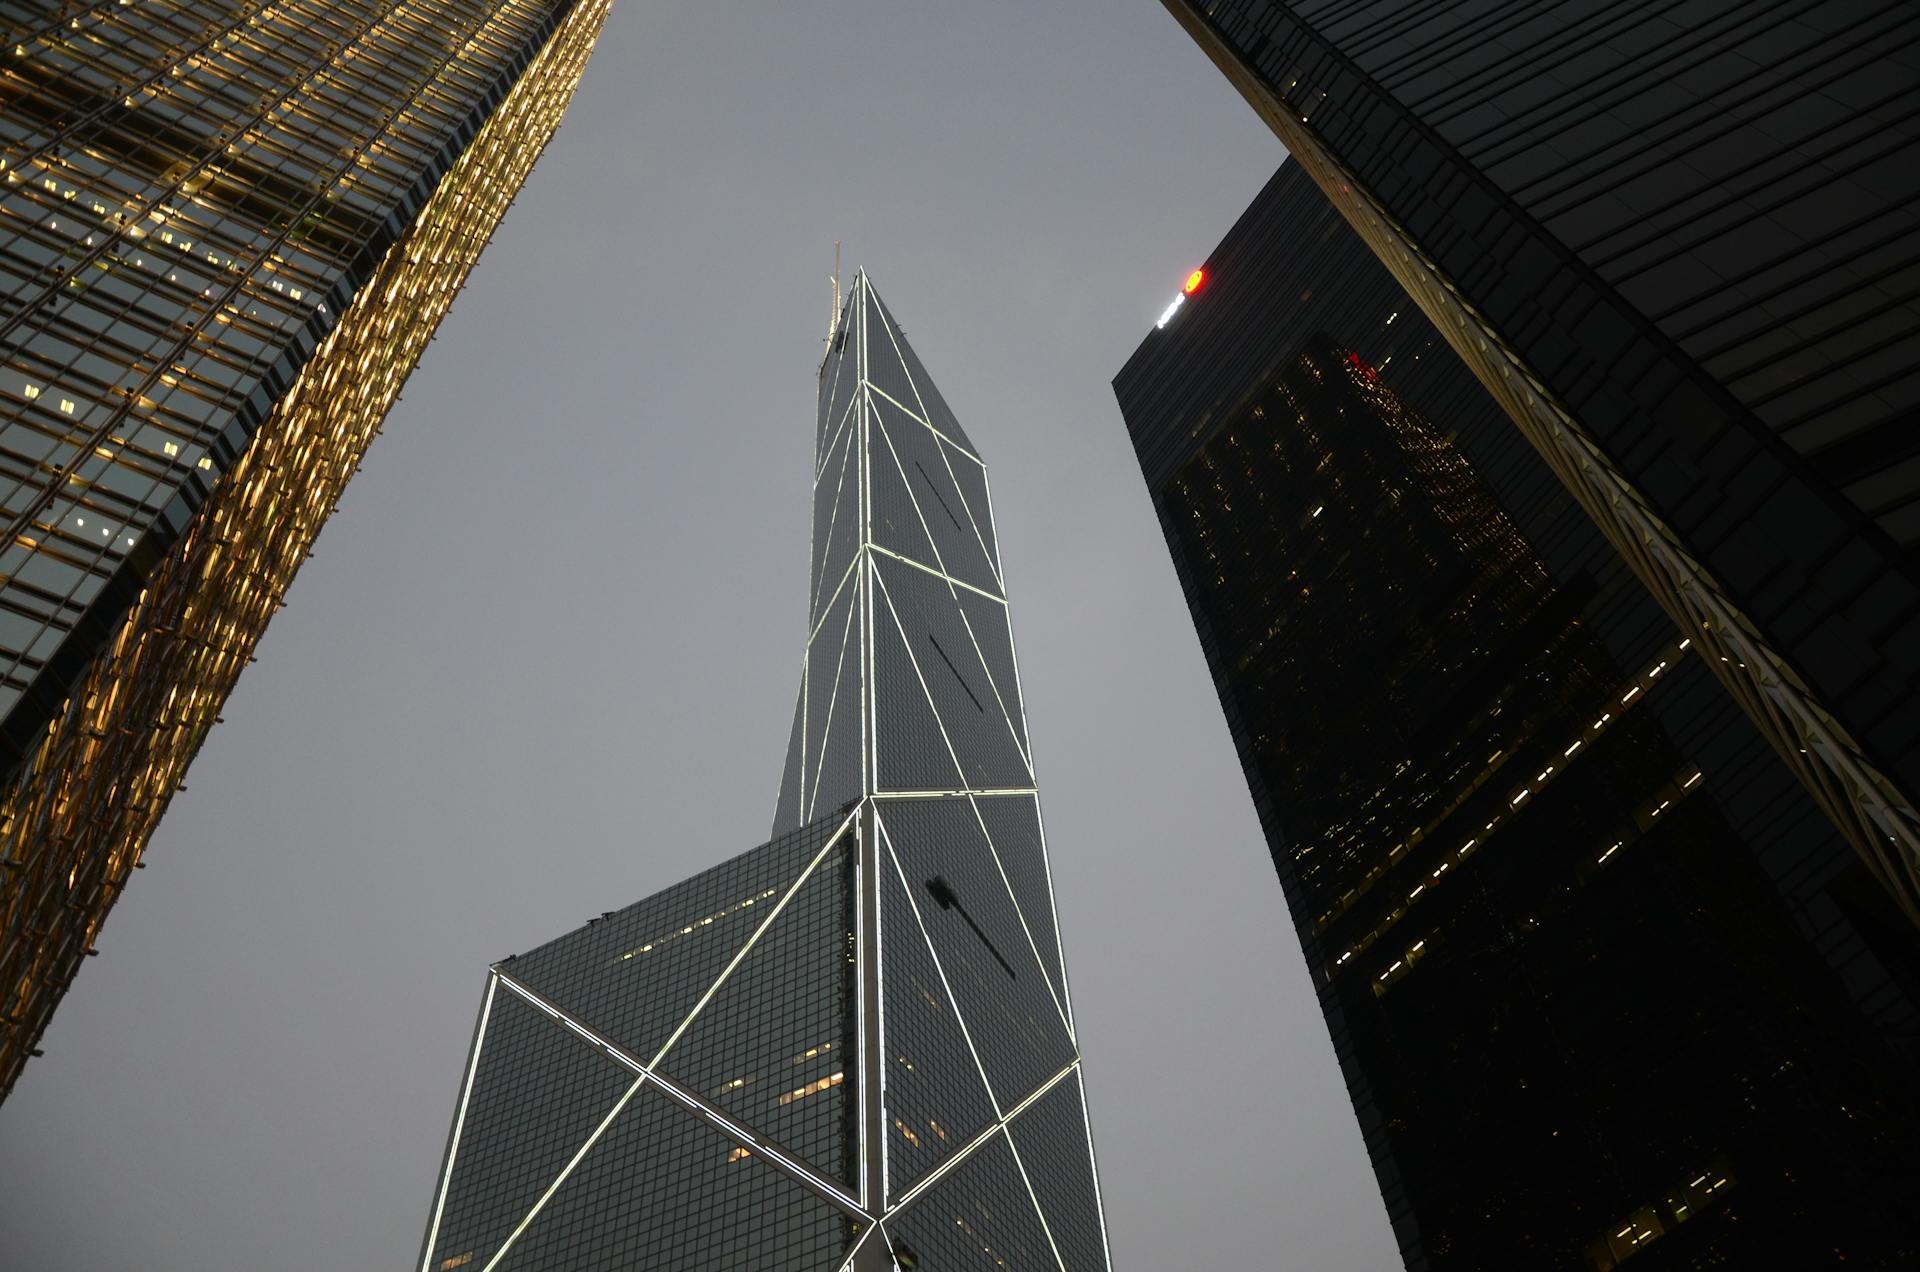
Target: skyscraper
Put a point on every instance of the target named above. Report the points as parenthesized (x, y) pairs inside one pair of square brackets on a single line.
[(1676, 241), (1603, 980), (227, 232), (850, 1047)]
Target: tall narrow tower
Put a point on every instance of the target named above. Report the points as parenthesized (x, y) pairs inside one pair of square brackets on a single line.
[(852, 1046)]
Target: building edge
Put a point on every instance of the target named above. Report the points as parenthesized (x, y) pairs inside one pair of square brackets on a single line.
[(1864, 802)]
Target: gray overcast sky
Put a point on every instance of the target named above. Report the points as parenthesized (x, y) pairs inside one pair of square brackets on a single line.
[(544, 661)]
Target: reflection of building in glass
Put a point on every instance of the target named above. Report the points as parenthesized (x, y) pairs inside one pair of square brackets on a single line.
[(226, 234), (1602, 979), (1676, 241), (852, 1046)]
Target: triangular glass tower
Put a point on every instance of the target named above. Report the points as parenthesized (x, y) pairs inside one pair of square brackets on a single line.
[(850, 1048)]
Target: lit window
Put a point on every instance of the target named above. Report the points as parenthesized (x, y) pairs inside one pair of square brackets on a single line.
[(813, 1088)]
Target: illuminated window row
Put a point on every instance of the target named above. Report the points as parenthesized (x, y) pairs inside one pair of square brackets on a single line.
[(1516, 798)]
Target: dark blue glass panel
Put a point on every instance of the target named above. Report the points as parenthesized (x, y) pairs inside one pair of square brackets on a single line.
[(1050, 1136), (1010, 1012), (910, 752), (978, 1219), (923, 470), (1013, 824), (774, 1046), (955, 677), (538, 1092), (925, 400), (936, 1100), (635, 974), (665, 1191)]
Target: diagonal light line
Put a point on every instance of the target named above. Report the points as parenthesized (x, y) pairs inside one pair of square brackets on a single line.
[(919, 513), (907, 373), (921, 419), (1026, 756), (927, 569), (727, 1125), (839, 431), (971, 1146), (826, 611), (752, 940), (554, 1187), (833, 702), (1045, 1227), (907, 648), (1053, 906), (1093, 1166), (826, 548), (952, 1002), (974, 518), (1039, 963), (460, 1120)]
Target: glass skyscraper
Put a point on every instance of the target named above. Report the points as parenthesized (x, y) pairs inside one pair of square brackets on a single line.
[(852, 1046), (1605, 982), (1677, 242), (227, 232)]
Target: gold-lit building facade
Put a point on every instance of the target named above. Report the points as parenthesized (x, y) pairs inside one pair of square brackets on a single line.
[(227, 232)]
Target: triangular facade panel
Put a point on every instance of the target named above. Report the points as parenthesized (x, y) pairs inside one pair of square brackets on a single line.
[(774, 1046), (980, 1217), (925, 400), (832, 769), (836, 522), (910, 748), (839, 380), (970, 478), (993, 640), (956, 679), (538, 1091), (920, 464), (636, 974), (1013, 827), (1055, 1149), (936, 1098), (1011, 1012), (786, 810), (663, 1190), (898, 524)]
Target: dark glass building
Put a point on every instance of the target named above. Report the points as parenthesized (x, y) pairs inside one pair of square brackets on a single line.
[(1605, 982), (227, 232), (852, 1046), (1679, 242)]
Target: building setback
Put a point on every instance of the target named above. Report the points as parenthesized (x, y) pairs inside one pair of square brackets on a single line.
[(227, 232), (1604, 981), (1677, 241), (851, 1047)]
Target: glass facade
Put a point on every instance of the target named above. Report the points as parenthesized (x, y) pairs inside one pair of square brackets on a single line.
[(1676, 240), (851, 1047), (1603, 979), (226, 235)]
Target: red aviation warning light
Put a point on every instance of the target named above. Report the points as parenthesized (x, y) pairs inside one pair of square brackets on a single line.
[(1192, 285)]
